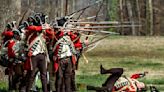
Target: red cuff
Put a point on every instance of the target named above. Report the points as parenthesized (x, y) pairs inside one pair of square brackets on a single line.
[(135, 76), (8, 33), (34, 28)]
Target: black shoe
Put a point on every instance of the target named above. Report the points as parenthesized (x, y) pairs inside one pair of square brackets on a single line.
[(102, 70)]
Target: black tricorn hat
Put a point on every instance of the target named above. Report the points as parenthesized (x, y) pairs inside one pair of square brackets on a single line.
[(61, 21), (9, 26)]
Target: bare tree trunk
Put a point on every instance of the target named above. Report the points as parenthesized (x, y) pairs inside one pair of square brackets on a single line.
[(62, 8), (130, 14), (139, 15), (73, 5), (107, 11), (2, 14), (57, 8), (70, 6), (32, 4), (157, 17), (121, 15), (17, 5), (66, 8), (48, 7), (149, 17)]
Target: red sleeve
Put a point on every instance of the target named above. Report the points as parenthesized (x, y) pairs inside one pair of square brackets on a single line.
[(34, 28), (72, 36), (49, 33), (78, 44), (135, 76), (56, 50), (61, 34), (8, 33), (11, 53)]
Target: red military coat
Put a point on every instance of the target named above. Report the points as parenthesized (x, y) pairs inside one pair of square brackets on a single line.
[(76, 40), (77, 45), (11, 53), (31, 34), (55, 49)]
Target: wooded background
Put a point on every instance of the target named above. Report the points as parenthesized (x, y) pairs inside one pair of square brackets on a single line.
[(148, 13)]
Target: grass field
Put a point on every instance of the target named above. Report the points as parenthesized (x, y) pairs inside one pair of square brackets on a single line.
[(134, 54)]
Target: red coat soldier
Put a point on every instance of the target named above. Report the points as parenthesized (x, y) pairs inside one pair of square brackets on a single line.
[(14, 65), (63, 52), (37, 53), (7, 34), (117, 83)]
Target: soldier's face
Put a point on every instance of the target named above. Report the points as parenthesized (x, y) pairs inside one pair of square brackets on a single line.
[(30, 19)]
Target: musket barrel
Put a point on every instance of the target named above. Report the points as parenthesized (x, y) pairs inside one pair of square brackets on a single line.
[(88, 30), (103, 23), (103, 27), (98, 40)]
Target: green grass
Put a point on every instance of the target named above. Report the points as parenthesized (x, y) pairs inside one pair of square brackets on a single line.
[(134, 54), (3, 86)]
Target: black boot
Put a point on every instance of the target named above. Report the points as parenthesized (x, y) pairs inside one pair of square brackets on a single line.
[(102, 70), (91, 88)]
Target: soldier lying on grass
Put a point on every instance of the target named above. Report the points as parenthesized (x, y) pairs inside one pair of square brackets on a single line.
[(117, 83)]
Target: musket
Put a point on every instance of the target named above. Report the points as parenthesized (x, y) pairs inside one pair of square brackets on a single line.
[(97, 31), (91, 17), (97, 41), (111, 26), (69, 16), (72, 21), (98, 27), (101, 23), (22, 18), (82, 9), (81, 14), (95, 18), (88, 30)]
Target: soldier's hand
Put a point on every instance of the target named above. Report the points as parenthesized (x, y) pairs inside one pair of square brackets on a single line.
[(46, 26), (86, 42)]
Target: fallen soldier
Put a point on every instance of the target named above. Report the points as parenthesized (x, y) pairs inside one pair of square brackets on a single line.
[(117, 83)]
